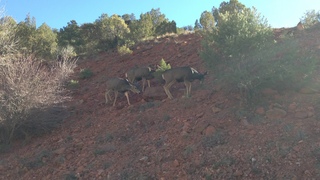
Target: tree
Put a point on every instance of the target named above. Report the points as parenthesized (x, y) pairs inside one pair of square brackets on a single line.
[(156, 17), (233, 7), (70, 35), (148, 23), (233, 51), (26, 32), (128, 18), (310, 18), (197, 25), (8, 40), (239, 33), (46, 42), (112, 32), (90, 37), (166, 27), (207, 21)]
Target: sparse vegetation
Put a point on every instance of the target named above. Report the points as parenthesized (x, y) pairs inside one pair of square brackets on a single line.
[(85, 73), (123, 50), (73, 84)]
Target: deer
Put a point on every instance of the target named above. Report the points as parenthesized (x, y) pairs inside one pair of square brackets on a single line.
[(140, 73), (181, 74), (121, 85)]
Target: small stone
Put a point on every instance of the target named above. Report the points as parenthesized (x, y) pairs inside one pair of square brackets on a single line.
[(244, 122), (60, 151), (276, 113), (215, 110), (307, 172), (100, 171), (301, 114), (293, 106), (310, 114), (260, 111), (210, 130), (81, 101), (176, 163), (144, 158), (80, 169), (238, 173), (200, 115)]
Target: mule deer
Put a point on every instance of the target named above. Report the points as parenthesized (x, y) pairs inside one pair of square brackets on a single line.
[(181, 74), (140, 73), (119, 85)]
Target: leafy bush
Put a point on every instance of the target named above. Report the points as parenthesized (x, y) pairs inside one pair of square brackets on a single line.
[(279, 65), (246, 58), (163, 66), (238, 34), (160, 69), (123, 50)]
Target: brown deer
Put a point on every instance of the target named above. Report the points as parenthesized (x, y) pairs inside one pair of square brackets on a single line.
[(119, 85), (181, 74), (140, 73)]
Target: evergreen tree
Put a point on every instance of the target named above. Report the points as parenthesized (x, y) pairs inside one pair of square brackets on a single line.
[(207, 21), (45, 42)]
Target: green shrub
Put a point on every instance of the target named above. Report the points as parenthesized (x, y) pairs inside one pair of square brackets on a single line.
[(85, 73), (160, 69), (244, 56), (237, 35), (123, 50), (163, 66)]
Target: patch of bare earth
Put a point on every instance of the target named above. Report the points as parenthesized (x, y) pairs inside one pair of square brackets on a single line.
[(207, 136)]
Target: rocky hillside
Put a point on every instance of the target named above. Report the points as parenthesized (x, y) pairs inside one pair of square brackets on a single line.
[(207, 136)]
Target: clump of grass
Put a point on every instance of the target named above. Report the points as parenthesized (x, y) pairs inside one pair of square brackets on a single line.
[(85, 73), (188, 150), (166, 117)]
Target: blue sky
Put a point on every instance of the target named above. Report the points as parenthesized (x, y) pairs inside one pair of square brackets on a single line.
[(57, 13)]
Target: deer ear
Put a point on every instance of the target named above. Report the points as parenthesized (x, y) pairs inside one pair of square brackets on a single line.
[(205, 73)]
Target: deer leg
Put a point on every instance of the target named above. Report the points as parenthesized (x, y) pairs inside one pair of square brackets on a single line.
[(166, 89), (188, 87), (148, 82), (143, 83), (127, 95), (107, 95), (115, 97)]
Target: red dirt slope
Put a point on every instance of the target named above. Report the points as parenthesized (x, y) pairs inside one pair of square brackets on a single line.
[(207, 136)]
